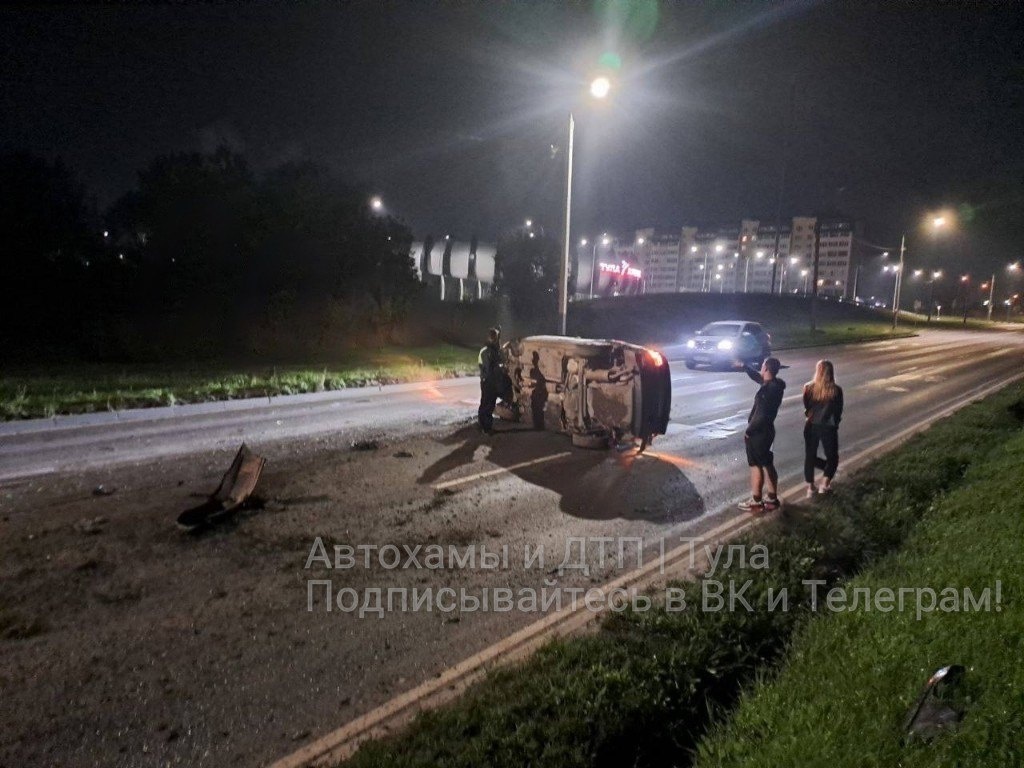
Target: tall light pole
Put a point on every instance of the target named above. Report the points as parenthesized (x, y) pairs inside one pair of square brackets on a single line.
[(931, 295), (563, 272), (599, 88), (992, 287), (965, 281), (899, 283)]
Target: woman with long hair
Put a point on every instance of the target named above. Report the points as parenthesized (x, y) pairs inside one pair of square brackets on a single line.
[(823, 406)]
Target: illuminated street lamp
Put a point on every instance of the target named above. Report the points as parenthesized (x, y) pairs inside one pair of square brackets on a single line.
[(899, 283), (937, 222), (931, 293), (376, 203), (965, 282), (992, 285), (896, 272), (599, 89)]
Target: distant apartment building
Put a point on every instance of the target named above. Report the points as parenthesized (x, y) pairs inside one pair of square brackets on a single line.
[(744, 258)]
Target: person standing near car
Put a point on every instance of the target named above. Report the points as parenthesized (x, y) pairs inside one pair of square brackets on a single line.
[(823, 406), (491, 376), (760, 434)]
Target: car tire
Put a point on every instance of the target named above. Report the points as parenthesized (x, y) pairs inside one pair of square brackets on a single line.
[(690, 364), (590, 441)]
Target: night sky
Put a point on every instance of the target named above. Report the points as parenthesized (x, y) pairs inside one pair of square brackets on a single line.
[(456, 113)]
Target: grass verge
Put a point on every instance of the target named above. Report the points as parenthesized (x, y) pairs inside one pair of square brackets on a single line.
[(795, 336), (29, 393), (851, 676), (642, 690)]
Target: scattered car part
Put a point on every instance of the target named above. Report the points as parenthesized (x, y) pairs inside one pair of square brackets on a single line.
[(235, 488), (91, 526), (933, 713), (599, 392)]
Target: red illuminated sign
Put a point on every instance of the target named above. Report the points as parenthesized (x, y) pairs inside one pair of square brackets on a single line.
[(620, 269)]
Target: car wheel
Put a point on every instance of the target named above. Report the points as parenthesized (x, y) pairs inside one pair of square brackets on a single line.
[(690, 364)]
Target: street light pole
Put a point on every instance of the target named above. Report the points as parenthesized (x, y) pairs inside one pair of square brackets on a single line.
[(598, 89), (563, 273), (991, 294), (899, 284)]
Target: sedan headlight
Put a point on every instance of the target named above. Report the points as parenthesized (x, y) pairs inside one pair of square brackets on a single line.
[(691, 344), (725, 345)]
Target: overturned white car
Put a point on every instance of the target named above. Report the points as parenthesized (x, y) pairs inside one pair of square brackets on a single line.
[(600, 392)]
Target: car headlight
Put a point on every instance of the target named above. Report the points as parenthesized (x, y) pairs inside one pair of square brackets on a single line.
[(725, 345), (691, 344)]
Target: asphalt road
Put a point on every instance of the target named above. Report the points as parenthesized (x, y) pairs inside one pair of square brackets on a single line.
[(150, 647), (890, 383)]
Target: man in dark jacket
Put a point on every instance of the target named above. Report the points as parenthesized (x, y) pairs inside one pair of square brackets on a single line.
[(491, 377), (760, 435)]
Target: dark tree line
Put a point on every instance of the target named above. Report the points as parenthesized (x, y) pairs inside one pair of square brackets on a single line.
[(526, 271), (203, 257)]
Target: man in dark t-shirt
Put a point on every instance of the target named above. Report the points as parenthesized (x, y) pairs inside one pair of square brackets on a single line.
[(759, 436)]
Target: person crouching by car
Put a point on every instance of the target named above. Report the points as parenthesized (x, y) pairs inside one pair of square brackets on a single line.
[(760, 434), (491, 377)]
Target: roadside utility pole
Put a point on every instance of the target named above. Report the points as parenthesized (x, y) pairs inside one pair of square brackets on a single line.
[(899, 284)]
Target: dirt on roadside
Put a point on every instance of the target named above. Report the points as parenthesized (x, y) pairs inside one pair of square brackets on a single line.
[(124, 641)]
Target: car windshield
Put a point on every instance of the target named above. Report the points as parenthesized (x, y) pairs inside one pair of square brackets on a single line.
[(720, 329)]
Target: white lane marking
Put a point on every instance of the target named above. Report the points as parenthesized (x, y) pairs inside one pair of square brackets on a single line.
[(896, 389), (929, 375), (12, 479), (720, 429), (492, 472)]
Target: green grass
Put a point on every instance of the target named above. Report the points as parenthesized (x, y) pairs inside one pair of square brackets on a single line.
[(644, 688), (851, 677), (37, 393), (836, 332)]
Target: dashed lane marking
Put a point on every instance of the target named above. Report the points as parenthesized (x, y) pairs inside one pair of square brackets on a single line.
[(492, 472)]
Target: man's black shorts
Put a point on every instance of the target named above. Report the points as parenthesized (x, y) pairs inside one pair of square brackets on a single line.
[(759, 449)]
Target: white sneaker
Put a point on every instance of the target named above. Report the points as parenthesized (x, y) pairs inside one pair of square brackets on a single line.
[(811, 490), (825, 487)]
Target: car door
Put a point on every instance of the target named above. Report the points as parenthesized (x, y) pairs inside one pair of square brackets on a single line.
[(760, 336), (750, 344)]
